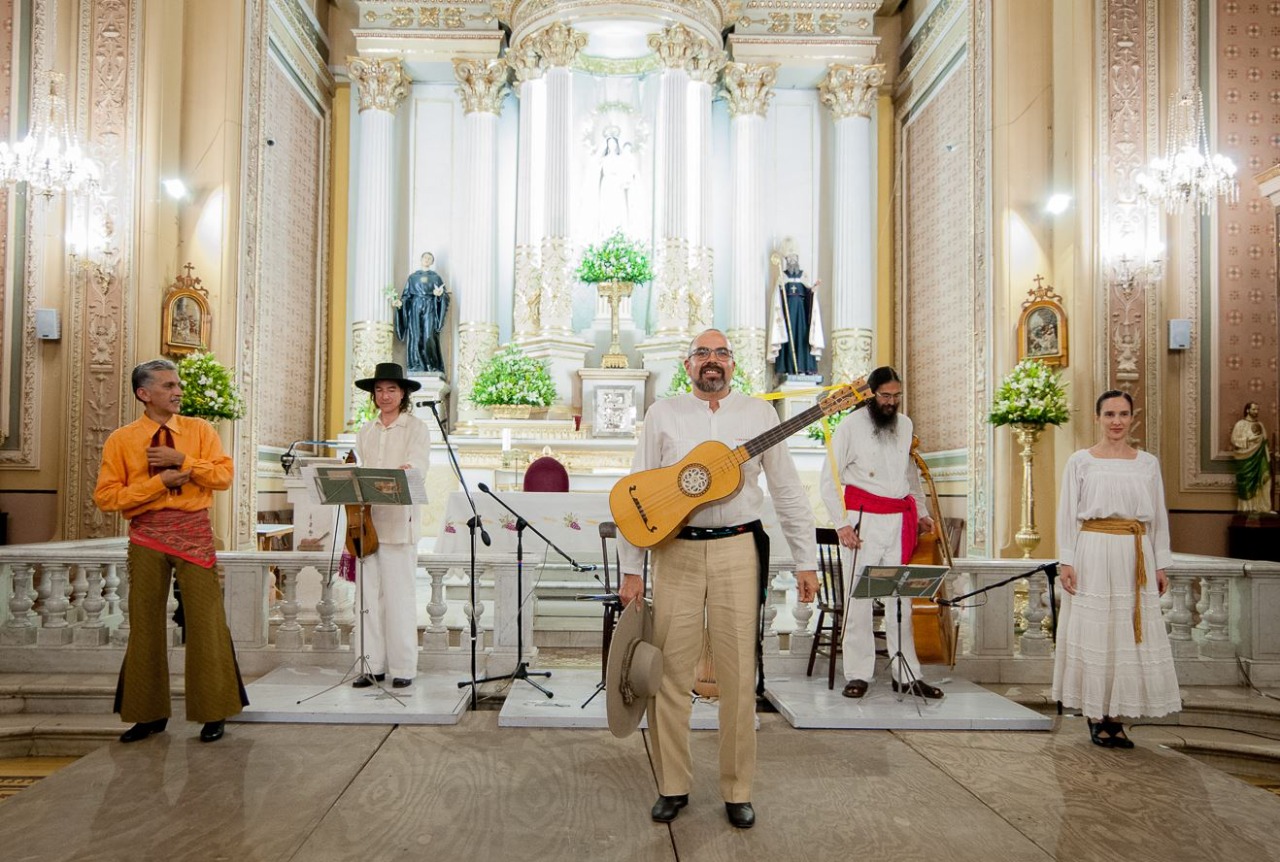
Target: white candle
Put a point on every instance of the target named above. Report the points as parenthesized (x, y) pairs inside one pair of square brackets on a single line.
[(506, 439)]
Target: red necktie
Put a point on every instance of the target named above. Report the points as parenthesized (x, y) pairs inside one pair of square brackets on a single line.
[(163, 437)]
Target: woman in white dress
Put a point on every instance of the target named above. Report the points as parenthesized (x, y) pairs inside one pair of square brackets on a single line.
[(1113, 656)]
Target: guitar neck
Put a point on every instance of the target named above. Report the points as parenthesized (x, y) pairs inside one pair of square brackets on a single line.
[(783, 430)]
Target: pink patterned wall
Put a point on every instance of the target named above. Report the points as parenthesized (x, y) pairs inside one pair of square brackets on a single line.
[(939, 339), (6, 96), (292, 212), (1246, 48)]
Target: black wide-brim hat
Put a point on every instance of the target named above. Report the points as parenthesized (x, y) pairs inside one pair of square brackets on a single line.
[(389, 371)]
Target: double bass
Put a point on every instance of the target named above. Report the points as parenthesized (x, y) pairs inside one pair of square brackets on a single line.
[(935, 631), (362, 538)]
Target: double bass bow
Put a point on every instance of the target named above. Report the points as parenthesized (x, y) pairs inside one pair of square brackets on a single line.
[(362, 538), (935, 632)]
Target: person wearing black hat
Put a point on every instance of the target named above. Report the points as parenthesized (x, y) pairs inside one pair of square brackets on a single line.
[(393, 439)]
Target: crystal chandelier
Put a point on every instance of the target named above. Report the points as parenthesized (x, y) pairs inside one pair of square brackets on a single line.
[(1188, 173), (49, 159)]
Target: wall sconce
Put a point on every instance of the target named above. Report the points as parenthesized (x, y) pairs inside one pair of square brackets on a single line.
[(1128, 274)]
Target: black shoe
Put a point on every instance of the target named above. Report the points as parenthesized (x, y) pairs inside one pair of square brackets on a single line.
[(1108, 734), (855, 688), (401, 682), (212, 731), (920, 688), (741, 814), (366, 680), (143, 729), (667, 807)]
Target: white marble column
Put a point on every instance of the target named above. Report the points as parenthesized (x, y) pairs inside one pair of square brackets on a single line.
[(850, 92), (704, 69), (552, 50), (527, 296), (482, 86), (748, 88), (383, 85)]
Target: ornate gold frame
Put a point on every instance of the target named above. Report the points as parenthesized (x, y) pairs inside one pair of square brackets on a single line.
[(185, 320), (1043, 304)]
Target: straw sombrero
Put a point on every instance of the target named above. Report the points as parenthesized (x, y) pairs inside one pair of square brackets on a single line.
[(635, 669)]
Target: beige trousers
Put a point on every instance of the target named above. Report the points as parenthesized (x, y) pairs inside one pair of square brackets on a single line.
[(715, 580), (214, 690)]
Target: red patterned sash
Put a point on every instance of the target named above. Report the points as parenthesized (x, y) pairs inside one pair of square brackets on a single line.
[(188, 535), (855, 498)]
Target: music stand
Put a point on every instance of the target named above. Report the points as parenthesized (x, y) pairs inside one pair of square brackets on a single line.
[(900, 582), (364, 486)]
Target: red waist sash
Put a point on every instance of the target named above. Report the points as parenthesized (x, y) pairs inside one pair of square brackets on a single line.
[(855, 498), (188, 535)]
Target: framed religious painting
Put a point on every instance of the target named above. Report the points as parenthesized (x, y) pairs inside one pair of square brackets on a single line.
[(615, 412), (185, 321), (1042, 327)]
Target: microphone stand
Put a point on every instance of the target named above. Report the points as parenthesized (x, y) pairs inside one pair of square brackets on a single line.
[(522, 667), (1051, 572), (473, 526)]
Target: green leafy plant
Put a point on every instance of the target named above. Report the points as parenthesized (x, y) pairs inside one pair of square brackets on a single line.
[(1030, 394), (615, 259), (681, 384), (208, 388), (365, 411), (814, 431), (511, 377)]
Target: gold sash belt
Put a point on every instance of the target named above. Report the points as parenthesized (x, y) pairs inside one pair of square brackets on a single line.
[(1125, 527)]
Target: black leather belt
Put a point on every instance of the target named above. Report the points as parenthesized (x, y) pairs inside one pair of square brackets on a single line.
[(704, 534)]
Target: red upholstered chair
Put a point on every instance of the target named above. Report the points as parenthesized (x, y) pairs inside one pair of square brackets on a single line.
[(546, 474)]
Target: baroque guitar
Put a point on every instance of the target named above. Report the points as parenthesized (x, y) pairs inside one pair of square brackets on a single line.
[(652, 505)]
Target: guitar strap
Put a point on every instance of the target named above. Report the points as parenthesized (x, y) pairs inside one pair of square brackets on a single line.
[(761, 539)]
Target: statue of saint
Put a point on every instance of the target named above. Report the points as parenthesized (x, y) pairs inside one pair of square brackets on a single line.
[(617, 174), (795, 340), (1253, 462), (420, 317)]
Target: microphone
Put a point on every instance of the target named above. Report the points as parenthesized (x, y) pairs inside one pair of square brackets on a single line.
[(288, 458), (483, 488), (589, 567)]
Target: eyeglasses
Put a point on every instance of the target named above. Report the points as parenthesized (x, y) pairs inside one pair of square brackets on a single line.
[(889, 396), (704, 353)]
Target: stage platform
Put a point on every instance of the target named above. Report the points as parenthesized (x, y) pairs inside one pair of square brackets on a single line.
[(315, 695)]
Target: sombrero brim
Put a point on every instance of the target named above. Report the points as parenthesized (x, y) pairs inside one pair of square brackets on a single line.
[(631, 639)]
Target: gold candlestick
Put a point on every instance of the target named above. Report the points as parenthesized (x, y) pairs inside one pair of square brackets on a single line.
[(615, 292), (1027, 536)]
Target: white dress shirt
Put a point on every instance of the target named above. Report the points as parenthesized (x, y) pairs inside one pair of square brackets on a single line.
[(405, 441), (878, 464), (674, 426)]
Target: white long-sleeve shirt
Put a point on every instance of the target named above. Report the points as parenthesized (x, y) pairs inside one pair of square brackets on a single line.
[(878, 464), (674, 426), (1113, 488), (405, 441)]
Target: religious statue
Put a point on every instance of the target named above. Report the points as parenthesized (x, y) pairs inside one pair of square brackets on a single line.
[(795, 340), (617, 173), (420, 317), (1253, 462)]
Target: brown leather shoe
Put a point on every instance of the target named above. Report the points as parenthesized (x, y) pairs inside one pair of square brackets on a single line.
[(855, 688), (920, 688)]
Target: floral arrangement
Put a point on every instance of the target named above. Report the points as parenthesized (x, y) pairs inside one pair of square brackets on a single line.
[(681, 384), (208, 389), (615, 259), (1030, 394), (511, 377)]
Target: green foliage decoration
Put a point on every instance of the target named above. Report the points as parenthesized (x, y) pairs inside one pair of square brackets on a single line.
[(512, 377), (680, 382), (615, 259), (1031, 394), (208, 388)]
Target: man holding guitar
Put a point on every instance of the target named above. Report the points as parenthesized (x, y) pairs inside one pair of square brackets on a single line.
[(872, 457), (712, 570)]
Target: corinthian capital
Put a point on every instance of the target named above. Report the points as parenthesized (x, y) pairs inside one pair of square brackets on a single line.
[(383, 83), (678, 47), (850, 91), (749, 87), (557, 44), (482, 84)]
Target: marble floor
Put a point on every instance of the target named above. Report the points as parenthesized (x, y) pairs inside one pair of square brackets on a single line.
[(475, 790)]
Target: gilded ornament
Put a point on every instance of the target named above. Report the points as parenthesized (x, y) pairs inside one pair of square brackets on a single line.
[(482, 84), (557, 44), (749, 87), (804, 22), (383, 83), (850, 91)]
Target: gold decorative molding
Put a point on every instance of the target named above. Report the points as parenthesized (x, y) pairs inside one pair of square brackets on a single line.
[(482, 84), (476, 343), (556, 45), (749, 354), (850, 91), (372, 341), (749, 87), (383, 83), (851, 354), (678, 47)]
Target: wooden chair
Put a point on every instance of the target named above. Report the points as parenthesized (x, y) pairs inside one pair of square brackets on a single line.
[(831, 593), (546, 474), (612, 579)]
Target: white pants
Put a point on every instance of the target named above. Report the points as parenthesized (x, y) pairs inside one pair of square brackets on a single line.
[(390, 616), (881, 546)]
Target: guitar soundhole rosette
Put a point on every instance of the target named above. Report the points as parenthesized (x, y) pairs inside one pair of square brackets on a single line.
[(694, 480)]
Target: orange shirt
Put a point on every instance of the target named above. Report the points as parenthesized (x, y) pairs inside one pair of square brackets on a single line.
[(125, 483)]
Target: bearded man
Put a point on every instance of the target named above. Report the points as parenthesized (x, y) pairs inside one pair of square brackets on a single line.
[(879, 485)]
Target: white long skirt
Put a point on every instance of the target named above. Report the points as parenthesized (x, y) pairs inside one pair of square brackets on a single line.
[(1098, 668)]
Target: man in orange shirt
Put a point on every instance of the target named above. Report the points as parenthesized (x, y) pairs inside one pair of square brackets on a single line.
[(160, 472)]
